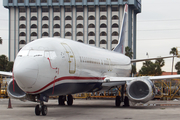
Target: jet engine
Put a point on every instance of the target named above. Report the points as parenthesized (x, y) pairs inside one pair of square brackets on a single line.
[(15, 92), (140, 90)]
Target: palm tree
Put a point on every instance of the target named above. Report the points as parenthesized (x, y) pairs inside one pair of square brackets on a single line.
[(3, 62), (174, 52)]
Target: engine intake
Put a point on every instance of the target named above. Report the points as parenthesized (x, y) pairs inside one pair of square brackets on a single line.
[(140, 90), (17, 93)]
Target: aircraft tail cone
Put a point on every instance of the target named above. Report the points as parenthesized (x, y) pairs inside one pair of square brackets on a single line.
[(9, 103)]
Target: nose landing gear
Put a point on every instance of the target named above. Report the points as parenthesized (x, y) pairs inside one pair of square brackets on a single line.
[(41, 109)]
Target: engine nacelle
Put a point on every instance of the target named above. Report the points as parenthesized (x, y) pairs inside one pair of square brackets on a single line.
[(140, 90), (17, 93)]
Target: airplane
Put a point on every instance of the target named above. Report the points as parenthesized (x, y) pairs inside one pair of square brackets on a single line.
[(61, 67)]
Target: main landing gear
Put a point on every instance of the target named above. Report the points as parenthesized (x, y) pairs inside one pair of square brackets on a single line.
[(62, 99), (119, 99)]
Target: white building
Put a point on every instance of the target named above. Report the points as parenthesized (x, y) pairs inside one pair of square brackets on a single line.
[(94, 22)]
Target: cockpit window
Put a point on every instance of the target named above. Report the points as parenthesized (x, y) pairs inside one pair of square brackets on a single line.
[(23, 53), (35, 53), (50, 54)]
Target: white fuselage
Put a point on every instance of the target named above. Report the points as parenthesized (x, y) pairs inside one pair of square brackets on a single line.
[(57, 66)]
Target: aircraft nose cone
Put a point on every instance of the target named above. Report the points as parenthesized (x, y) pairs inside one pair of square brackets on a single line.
[(25, 72)]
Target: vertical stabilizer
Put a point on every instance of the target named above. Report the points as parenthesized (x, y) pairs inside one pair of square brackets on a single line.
[(120, 46)]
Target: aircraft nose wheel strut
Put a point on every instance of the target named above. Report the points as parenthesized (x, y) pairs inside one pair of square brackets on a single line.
[(41, 109)]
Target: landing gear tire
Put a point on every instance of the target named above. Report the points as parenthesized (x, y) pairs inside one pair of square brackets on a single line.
[(61, 100), (70, 100), (126, 101), (118, 101), (44, 110), (37, 110)]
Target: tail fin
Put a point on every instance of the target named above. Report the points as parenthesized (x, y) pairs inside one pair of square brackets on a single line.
[(120, 46)]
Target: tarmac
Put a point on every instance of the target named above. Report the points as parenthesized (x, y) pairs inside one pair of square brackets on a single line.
[(94, 109)]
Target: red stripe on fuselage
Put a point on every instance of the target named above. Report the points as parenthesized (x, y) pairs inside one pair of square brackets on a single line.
[(69, 78)]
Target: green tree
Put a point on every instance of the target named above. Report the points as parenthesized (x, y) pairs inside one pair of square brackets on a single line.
[(174, 52), (5, 65), (133, 70), (177, 67), (0, 40), (128, 52), (150, 68), (3, 62)]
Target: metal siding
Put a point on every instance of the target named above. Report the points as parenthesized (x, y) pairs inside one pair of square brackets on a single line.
[(14, 31), (9, 35)]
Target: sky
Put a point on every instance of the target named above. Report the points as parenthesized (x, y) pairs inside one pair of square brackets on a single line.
[(158, 30)]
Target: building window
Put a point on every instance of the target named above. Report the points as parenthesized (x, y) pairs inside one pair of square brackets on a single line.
[(56, 26), (115, 9), (103, 17), (43, 1), (32, 1), (90, 0), (33, 26), (22, 9), (68, 9), (114, 42), (68, 34), (55, 1), (34, 18), (102, 0), (114, 0), (20, 1), (33, 34), (79, 26), (45, 18), (56, 18), (91, 9), (22, 18), (103, 42), (10, 1), (68, 18), (79, 18), (91, 18), (80, 41), (67, 0), (91, 34), (56, 9), (103, 34), (103, 9), (115, 25), (33, 9), (103, 26), (22, 26), (45, 10), (115, 17), (22, 34), (68, 26), (79, 34), (115, 34), (78, 0), (91, 42), (56, 34), (45, 34), (91, 26), (79, 9), (22, 42), (45, 26)]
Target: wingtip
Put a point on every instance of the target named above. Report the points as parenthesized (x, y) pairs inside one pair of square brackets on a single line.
[(126, 8)]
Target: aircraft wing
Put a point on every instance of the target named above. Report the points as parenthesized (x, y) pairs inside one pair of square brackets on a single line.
[(147, 59), (117, 81), (6, 73)]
